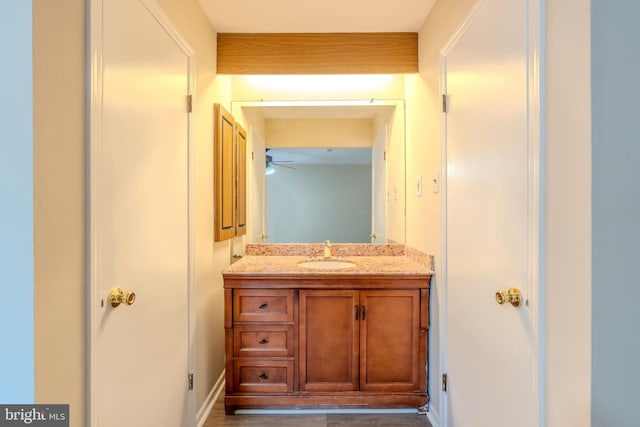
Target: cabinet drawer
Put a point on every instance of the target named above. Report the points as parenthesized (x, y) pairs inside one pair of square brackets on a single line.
[(263, 376), (263, 305), (263, 340)]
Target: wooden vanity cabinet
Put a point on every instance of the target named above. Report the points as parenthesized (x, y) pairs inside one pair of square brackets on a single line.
[(326, 342), (359, 340)]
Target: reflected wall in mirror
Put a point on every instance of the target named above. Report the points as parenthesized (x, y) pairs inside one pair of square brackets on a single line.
[(330, 189), (329, 195)]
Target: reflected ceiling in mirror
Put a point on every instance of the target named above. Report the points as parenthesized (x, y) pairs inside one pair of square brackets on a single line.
[(319, 156)]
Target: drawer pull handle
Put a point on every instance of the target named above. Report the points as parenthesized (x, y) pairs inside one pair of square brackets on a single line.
[(263, 376), (264, 341), (263, 305)]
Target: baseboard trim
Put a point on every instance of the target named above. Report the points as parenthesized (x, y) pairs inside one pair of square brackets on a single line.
[(212, 398), (324, 411), (433, 419)]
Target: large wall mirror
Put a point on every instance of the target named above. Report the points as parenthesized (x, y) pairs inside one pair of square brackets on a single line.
[(325, 170)]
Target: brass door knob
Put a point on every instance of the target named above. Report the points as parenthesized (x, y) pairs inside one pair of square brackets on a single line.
[(512, 296), (118, 296)]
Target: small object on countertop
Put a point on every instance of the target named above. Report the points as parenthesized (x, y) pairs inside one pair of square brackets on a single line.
[(327, 249)]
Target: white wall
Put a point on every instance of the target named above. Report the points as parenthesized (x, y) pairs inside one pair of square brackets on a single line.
[(211, 257), (314, 203), (59, 204), (423, 110), (16, 214), (319, 133), (615, 68), (566, 276)]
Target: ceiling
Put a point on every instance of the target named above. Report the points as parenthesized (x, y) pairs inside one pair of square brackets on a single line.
[(315, 16)]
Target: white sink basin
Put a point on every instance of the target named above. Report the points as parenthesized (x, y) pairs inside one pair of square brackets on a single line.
[(327, 264)]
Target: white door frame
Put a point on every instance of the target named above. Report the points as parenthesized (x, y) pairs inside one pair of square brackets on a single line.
[(535, 135), (94, 143)]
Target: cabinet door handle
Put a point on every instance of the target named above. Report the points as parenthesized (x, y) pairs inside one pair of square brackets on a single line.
[(364, 312), (263, 305), (263, 376), (357, 308), (264, 341)]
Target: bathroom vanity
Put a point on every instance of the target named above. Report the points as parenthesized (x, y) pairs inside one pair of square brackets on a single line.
[(351, 333)]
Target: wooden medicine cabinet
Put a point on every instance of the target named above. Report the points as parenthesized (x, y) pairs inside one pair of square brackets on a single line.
[(230, 175)]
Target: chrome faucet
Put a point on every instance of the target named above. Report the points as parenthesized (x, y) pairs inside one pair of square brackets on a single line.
[(327, 249)]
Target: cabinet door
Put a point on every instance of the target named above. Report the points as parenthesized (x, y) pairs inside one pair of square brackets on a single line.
[(328, 340), (241, 180), (389, 340), (224, 174)]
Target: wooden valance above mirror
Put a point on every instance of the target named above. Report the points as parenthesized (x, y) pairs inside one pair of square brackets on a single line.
[(317, 53)]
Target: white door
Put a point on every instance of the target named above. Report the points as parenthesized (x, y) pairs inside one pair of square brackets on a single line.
[(140, 222), (490, 347)]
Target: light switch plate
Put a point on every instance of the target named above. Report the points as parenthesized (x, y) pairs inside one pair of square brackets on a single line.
[(435, 182)]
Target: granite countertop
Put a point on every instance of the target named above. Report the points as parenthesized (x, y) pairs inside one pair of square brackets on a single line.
[(288, 265)]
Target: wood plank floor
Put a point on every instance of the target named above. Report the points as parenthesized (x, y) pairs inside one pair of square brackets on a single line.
[(218, 418)]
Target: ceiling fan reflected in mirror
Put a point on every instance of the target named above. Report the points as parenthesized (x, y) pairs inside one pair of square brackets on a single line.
[(271, 163)]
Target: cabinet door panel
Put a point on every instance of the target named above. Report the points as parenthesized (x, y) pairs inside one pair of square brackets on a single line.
[(241, 180), (328, 340), (224, 211), (389, 339)]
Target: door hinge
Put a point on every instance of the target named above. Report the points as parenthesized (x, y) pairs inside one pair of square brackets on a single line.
[(189, 103), (190, 380), (444, 382), (385, 156), (445, 103)]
